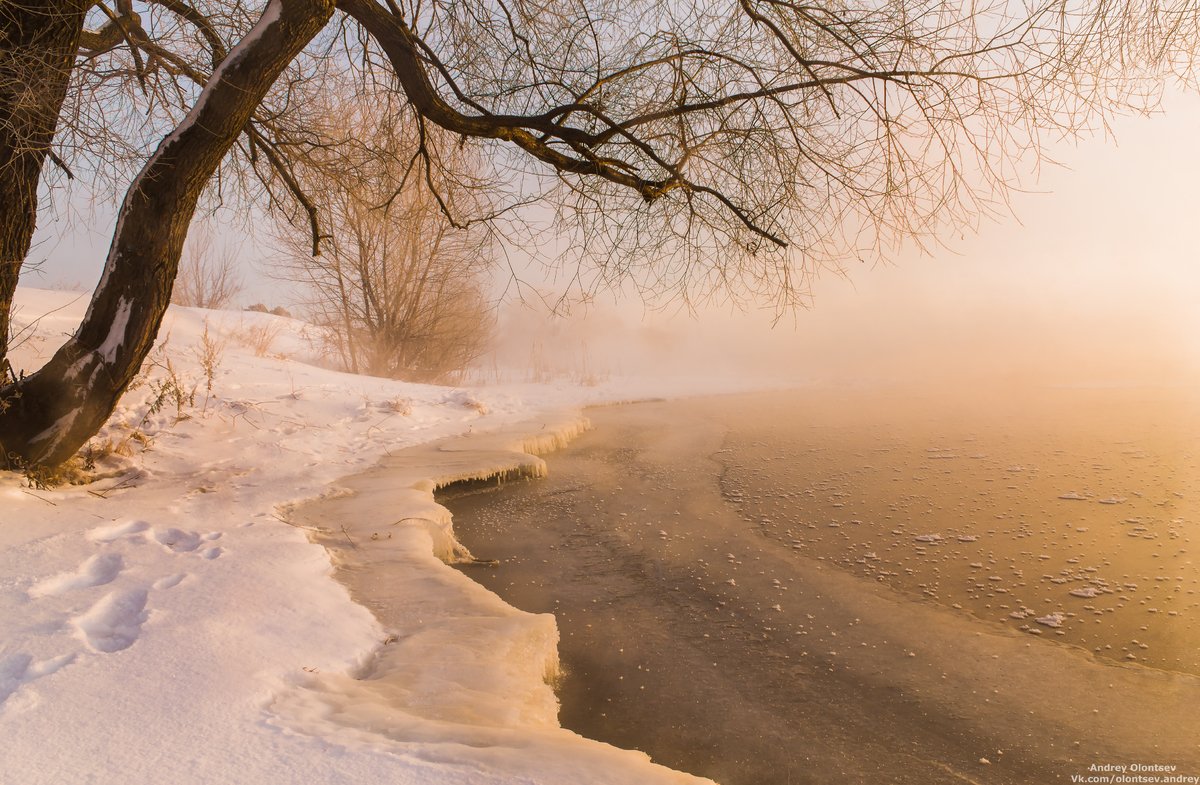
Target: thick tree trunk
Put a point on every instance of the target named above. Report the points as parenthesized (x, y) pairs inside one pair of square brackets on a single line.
[(52, 413), (38, 42)]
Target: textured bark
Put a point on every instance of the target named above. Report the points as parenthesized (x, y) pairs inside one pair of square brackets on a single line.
[(52, 413), (38, 42)]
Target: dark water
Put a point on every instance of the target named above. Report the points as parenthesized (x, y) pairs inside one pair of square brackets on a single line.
[(814, 587)]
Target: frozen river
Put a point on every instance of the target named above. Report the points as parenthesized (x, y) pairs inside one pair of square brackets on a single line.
[(867, 587)]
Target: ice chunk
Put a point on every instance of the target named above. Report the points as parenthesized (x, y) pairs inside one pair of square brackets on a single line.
[(1051, 620)]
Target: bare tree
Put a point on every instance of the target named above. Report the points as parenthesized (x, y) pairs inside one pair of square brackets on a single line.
[(38, 43), (46, 416), (397, 288), (400, 300), (208, 275), (688, 146)]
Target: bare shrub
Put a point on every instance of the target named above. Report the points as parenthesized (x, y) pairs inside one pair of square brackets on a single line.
[(278, 310), (259, 337), (170, 391), (208, 275)]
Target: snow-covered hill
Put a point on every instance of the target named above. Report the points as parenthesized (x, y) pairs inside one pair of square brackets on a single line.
[(151, 620)]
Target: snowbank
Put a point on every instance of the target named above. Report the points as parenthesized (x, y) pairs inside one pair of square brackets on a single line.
[(166, 624), (462, 676)]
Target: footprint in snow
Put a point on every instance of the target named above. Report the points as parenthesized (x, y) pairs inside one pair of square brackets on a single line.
[(115, 622), (95, 571), (115, 531), (177, 540), (180, 541), (12, 674), (17, 670), (169, 582)]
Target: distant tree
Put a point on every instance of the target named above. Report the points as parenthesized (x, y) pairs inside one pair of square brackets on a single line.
[(398, 290), (689, 146), (208, 274)]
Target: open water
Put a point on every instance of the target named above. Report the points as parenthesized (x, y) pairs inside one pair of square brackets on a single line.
[(870, 585)]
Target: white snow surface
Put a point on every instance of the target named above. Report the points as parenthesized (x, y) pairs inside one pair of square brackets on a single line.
[(164, 624)]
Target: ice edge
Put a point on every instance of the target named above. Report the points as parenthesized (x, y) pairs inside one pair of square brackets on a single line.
[(461, 676)]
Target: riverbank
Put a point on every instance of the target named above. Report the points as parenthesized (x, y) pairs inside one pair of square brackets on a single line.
[(161, 617), (458, 668), (701, 635)]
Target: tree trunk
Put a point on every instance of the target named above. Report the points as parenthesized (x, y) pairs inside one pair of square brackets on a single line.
[(52, 413), (38, 43)]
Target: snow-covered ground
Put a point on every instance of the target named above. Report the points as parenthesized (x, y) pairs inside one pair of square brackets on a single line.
[(164, 624)]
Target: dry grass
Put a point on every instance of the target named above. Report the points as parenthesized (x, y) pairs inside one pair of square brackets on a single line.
[(401, 406), (259, 337), (208, 353)]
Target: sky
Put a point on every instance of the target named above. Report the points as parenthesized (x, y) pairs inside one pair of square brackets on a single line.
[(1093, 279)]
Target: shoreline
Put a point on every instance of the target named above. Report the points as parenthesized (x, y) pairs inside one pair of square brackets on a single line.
[(903, 659), (459, 667)]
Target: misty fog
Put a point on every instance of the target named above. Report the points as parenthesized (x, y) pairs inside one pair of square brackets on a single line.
[(1091, 280)]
